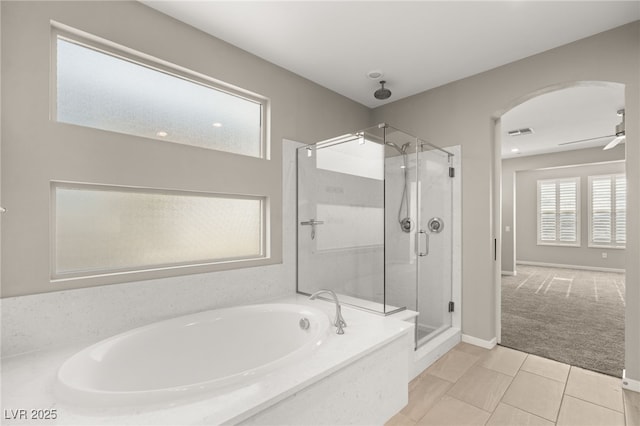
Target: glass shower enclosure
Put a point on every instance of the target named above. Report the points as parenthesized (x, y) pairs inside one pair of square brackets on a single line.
[(374, 224)]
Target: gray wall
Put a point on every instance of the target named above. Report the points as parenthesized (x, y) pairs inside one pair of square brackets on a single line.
[(464, 112), (532, 162), (527, 248), (37, 150), (460, 113)]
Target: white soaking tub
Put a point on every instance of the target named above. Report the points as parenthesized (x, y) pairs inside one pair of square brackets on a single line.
[(191, 354)]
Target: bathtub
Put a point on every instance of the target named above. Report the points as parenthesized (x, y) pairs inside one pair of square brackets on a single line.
[(193, 354)]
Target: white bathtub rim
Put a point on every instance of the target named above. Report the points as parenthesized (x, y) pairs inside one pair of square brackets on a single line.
[(365, 334), (85, 397)]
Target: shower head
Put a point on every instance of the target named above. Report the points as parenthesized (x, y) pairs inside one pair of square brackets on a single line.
[(382, 93), (402, 149)]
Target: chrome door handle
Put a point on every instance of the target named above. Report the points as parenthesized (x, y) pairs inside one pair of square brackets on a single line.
[(426, 236)]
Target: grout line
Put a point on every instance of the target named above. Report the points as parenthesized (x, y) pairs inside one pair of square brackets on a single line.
[(545, 377), (528, 412), (584, 400), (598, 405), (448, 390), (564, 390), (625, 407), (522, 409)]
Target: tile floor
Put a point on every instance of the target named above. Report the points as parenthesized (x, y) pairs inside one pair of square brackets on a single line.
[(475, 386)]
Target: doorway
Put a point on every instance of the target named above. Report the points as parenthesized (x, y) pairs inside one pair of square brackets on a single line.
[(553, 253)]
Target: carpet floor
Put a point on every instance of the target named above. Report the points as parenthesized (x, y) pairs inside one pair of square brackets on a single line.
[(568, 315)]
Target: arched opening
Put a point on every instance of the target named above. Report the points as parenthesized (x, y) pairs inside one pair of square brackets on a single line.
[(559, 217)]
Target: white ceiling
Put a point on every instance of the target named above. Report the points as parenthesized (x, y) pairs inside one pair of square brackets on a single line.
[(562, 117), (420, 45)]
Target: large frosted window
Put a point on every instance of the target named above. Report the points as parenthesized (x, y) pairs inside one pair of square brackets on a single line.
[(102, 229), (104, 91)]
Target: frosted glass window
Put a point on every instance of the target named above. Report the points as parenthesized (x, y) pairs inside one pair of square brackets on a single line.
[(103, 91), (102, 229)]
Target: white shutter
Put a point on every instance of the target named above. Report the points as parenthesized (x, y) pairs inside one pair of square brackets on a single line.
[(607, 210), (621, 210), (558, 211), (601, 209), (547, 211), (568, 200)]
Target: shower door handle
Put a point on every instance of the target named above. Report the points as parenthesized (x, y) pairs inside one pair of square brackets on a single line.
[(313, 223), (426, 240)]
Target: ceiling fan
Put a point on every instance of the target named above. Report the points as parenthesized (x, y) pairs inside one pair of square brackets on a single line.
[(620, 133)]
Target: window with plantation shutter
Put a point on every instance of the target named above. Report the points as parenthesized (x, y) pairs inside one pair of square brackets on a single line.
[(559, 212), (607, 211)]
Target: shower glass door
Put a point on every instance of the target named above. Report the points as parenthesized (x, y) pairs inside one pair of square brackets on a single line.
[(435, 267), (401, 219)]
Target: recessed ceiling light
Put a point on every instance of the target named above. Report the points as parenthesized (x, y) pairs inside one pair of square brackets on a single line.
[(162, 133), (375, 74), (217, 124), (515, 150)]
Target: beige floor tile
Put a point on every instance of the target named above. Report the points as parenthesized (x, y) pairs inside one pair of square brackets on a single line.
[(414, 383), (631, 407), (481, 387), (450, 411), (506, 415), (427, 391), (470, 349), (575, 412), (595, 387), (400, 420), (503, 360), (545, 367), (535, 394), (452, 365)]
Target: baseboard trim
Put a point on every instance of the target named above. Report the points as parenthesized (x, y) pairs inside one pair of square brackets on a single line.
[(630, 384), (558, 265), (487, 344), (510, 273)]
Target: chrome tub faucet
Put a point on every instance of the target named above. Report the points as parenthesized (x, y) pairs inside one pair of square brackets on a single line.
[(339, 321)]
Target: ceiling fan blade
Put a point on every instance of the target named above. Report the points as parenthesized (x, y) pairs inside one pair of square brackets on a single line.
[(614, 143), (585, 140)]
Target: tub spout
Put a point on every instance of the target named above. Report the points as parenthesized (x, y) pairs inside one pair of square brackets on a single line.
[(339, 321)]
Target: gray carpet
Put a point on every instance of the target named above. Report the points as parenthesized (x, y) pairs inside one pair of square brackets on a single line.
[(571, 316)]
